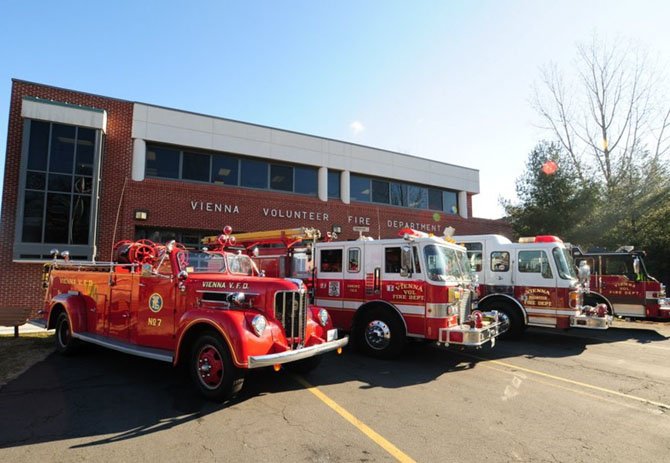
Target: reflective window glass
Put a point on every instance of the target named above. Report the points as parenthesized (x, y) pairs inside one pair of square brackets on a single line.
[(85, 151), (434, 199), (417, 197), (399, 194), (334, 183), (195, 166), (162, 162), (224, 170), (281, 177), (254, 173), (306, 182), (62, 148), (380, 191), (360, 188), (450, 202), (38, 148)]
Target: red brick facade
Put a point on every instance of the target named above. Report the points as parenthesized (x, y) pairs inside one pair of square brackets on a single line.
[(181, 205)]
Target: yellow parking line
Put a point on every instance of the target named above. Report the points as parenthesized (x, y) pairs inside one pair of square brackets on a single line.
[(364, 428), (569, 381)]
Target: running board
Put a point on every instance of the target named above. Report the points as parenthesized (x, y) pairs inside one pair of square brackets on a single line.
[(126, 348)]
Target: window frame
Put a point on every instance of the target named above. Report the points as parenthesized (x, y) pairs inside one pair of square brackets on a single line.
[(41, 251)]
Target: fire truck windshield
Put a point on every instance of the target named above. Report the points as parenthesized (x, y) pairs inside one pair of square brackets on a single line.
[(443, 263), (564, 263), (205, 262)]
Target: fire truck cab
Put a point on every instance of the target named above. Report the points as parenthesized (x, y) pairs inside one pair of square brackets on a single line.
[(532, 282), (620, 279), (384, 291)]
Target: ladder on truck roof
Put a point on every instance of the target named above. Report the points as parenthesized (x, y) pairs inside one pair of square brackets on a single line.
[(286, 236)]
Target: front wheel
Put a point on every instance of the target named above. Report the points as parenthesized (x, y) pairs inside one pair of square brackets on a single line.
[(510, 315), (380, 333), (65, 343), (212, 369)]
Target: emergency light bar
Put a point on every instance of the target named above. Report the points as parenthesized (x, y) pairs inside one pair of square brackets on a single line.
[(540, 239)]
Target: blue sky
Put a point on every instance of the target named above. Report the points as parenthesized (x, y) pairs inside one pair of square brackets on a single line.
[(446, 80)]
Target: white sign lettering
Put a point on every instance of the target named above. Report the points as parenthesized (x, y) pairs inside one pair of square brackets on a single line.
[(215, 207), (295, 214)]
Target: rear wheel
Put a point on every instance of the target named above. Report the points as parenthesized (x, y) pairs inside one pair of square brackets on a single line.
[(65, 343), (380, 333), (212, 369)]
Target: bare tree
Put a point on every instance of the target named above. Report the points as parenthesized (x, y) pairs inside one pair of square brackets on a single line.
[(612, 117)]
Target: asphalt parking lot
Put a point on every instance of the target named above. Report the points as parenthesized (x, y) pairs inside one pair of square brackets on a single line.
[(554, 396)]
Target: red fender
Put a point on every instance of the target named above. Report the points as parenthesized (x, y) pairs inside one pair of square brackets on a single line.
[(74, 306)]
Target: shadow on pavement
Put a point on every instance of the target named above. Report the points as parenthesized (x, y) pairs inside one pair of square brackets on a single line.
[(110, 397)]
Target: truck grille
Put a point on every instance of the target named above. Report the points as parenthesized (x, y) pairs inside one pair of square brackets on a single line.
[(291, 312)]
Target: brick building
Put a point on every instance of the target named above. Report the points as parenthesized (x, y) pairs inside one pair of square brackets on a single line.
[(85, 171)]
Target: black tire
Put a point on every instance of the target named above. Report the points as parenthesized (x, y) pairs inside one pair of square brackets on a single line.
[(65, 343), (305, 365), (212, 370), (380, 333), (516, 325)]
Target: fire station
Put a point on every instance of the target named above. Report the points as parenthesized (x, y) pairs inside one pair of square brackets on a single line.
[(85, 171)]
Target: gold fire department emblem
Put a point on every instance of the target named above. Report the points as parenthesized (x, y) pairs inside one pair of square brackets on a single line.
[(155, 302)]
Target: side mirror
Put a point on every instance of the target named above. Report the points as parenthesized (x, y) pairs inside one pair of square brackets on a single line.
[(636, 265), (182, 276), (584, 274), (405, 261)]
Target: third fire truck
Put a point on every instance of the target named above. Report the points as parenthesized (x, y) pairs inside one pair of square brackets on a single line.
[(620, 280), (533, 283), (382, 291)]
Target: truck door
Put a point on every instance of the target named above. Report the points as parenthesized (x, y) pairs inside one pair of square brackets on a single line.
[(330, 278), (536, 286), (155, 308), (354, 277), (116, 322)]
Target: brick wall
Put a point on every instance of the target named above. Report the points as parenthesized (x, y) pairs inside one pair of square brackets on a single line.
[(174, 204)]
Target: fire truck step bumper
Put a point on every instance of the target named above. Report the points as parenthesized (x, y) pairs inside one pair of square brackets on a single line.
[(259, 361), (464, 335), (594, 323)]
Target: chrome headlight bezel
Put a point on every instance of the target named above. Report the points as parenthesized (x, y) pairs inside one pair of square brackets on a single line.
[(259, 323), (322, 316)]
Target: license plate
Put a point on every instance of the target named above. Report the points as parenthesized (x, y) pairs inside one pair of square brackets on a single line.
[(331, 335)]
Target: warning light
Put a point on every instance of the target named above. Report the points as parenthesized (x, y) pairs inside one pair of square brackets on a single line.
[(277, 366)]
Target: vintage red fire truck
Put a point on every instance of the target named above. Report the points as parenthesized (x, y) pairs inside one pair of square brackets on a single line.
[(382, 291), (533, 283), (209, 311), (620, 279)]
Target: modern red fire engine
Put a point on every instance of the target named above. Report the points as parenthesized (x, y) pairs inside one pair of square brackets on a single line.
[(209, 310), (382, 291), (620, 280), (533, 283)]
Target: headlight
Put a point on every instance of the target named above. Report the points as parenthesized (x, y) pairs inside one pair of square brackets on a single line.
[(323, 317), (259, 323)]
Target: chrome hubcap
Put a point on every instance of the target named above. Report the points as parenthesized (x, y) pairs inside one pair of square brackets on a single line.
[(378, 335)]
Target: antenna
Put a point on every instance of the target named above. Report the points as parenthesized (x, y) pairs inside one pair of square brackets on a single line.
[(116, 222)]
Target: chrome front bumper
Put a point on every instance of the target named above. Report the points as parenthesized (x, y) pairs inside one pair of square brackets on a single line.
[(595, 323), (465, 335), (260, 361)]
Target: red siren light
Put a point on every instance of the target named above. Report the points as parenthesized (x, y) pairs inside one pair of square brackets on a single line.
[(540, 239)]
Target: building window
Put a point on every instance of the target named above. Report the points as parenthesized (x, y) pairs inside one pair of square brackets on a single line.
[(195, 166), (306, 181), (398, 194), (189, 238), (417, 197), (223, 169), (56, 202), (435, 199), (281, 178), (380, 191), (450, 202), (360, 188), (334, 184)]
